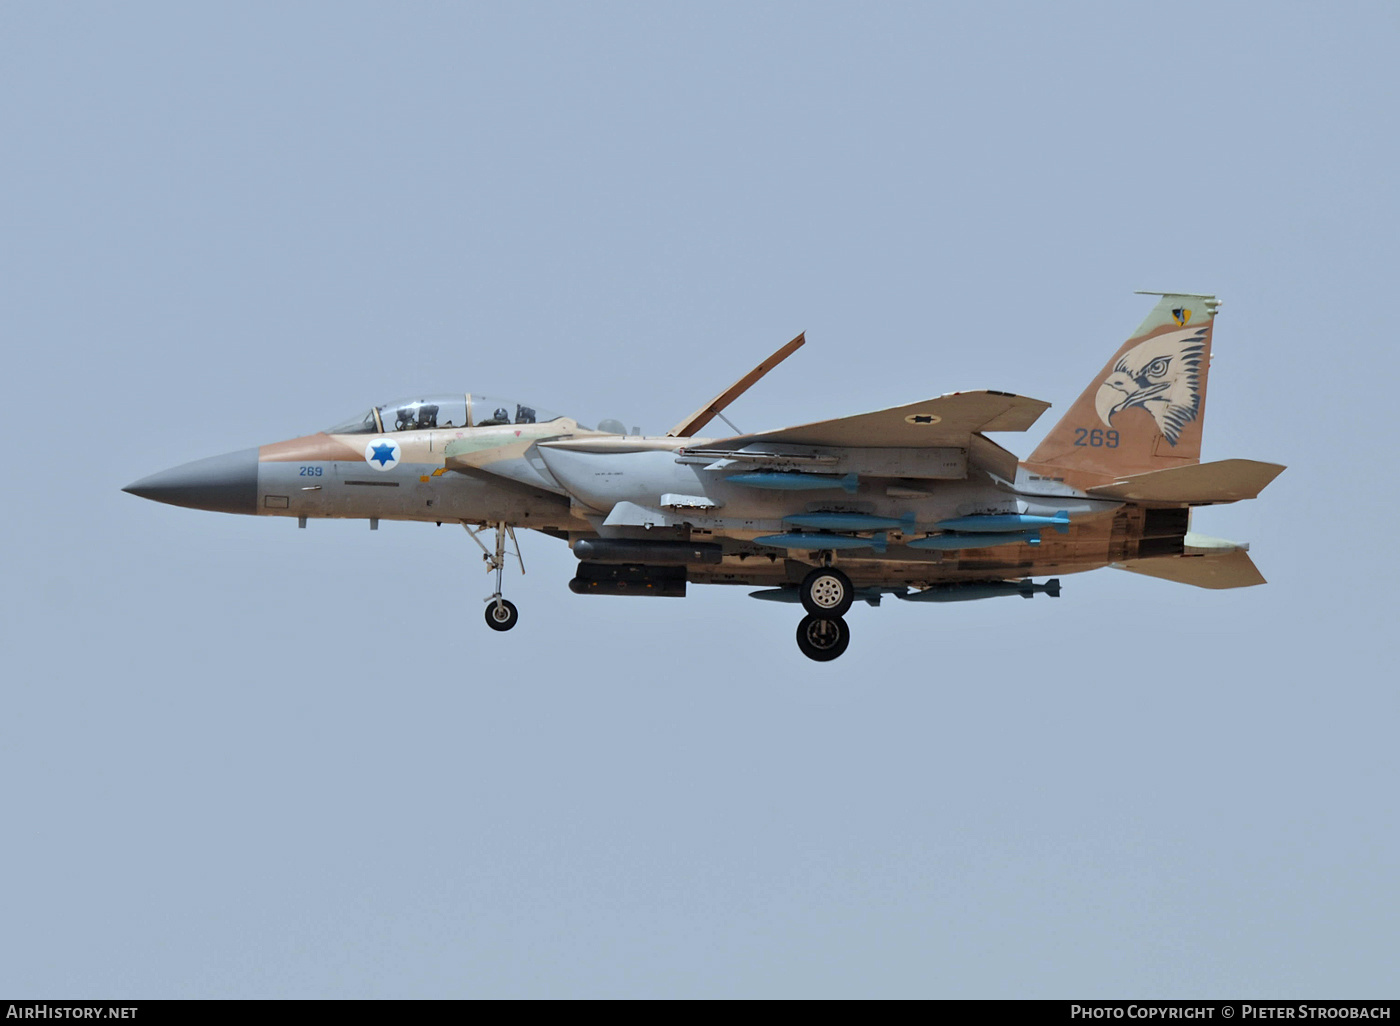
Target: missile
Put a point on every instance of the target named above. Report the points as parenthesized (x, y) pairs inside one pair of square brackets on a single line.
[(795, 481), (1007, 522), (850, 522), (811, 541), (974, 541), (966, 592)]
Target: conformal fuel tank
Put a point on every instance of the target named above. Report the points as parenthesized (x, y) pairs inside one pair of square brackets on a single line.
[(653, 553)]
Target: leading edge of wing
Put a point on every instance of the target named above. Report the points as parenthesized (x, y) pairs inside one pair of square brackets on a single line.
[(943, 420)]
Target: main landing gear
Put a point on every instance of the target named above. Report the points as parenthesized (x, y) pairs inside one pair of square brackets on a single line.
[(826, 591), (822, 637), (501, 614), (826, 594)]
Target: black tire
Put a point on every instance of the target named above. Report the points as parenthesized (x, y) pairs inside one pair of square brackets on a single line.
[(501, 616), (827, 592), (823, 638)]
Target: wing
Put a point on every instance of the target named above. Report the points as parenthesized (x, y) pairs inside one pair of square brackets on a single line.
[(948, 420)]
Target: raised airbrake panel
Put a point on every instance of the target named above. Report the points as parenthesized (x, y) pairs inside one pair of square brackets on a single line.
[(716, 406)]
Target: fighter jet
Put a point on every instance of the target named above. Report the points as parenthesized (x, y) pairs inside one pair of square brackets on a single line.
[(914, 501)]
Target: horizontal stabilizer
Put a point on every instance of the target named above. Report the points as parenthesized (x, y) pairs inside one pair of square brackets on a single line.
[(1231, 569), (1197, 485)]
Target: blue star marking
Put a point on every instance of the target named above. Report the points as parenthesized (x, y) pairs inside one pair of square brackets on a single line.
[(383, 454)]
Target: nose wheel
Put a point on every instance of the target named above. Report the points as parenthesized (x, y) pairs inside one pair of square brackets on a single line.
[(823, 637), (501, 614)]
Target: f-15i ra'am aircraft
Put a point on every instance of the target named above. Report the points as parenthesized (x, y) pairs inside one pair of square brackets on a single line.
[(913, 501)]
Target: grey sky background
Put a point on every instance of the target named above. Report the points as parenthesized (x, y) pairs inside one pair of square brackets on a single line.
[(242, 760)]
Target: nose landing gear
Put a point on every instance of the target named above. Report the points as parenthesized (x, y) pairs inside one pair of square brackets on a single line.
[(501, 614)]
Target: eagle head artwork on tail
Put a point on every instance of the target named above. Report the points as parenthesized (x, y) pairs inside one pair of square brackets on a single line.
[(1163, 376), (1162, 370)]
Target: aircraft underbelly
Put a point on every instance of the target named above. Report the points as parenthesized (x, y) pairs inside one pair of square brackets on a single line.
[(1127, 535)]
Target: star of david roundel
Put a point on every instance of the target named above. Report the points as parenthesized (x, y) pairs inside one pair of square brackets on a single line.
[(383, 453)]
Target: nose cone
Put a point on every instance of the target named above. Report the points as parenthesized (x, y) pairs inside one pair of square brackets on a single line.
[(225, 484)]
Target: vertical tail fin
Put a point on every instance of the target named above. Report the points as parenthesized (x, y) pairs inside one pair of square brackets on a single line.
[(1145, 410)]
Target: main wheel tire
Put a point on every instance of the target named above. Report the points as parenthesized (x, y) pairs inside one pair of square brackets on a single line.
[(827, 592), (823, 638), (501, 615)]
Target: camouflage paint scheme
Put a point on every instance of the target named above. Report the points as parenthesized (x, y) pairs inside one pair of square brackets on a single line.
[(436, 479), (1123, 464)]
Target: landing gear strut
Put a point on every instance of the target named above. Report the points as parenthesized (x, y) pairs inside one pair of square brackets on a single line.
[(501, 614)]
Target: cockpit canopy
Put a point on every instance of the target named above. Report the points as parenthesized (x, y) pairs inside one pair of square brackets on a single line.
[(457, 410)]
